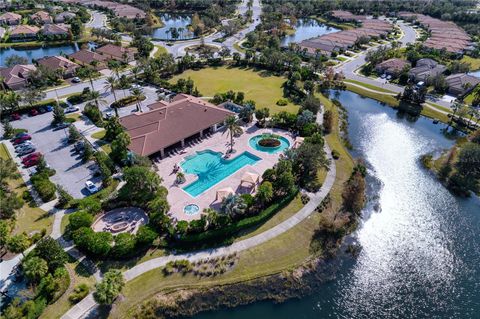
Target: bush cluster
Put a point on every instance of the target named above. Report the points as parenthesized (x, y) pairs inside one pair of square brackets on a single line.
[(44, 187)]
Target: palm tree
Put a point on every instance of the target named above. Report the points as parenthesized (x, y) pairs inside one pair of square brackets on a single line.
[(137, 93), (110, 84), (180, 30), (233, 129)]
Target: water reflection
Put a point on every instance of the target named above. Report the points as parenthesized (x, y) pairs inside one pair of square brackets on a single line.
[(180, 22), (306, 29), (420, 254)]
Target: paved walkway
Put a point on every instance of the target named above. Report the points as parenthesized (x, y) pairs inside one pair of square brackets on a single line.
[(87, 304)]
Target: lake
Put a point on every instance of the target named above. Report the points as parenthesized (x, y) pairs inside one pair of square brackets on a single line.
[(36, 53), (171, 20), (420, 254), (306, 29)]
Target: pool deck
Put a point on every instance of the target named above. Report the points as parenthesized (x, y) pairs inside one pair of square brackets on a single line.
[(218, 142)]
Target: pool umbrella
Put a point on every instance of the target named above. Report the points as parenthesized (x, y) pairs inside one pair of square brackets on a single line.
[(224, 192), (250, 178)]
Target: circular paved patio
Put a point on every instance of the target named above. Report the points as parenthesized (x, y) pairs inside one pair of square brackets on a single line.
[(121, 220)]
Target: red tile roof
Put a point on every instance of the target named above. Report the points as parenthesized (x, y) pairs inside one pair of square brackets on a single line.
[(168, 123)]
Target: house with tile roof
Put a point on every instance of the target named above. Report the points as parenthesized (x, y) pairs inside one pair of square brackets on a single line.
[(41, 17), (55, 30), (24, 33), (61, 63), (17, 76), (117, 52), (392, 67), (10, 18), (89, 58), (461, 84)]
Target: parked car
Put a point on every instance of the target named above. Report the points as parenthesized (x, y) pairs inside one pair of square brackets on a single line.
[(42, 110), (18, 135), (31, 156), (34, 112), (27, 150), (92, 189), (49, 108), (108, 115), (15, 117), (21, 147), (30, 163), (21, 139), (60, 126), (76, 80), (71, 109), (136, 86)]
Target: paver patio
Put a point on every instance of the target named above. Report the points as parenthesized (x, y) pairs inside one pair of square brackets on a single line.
[(218, 142)]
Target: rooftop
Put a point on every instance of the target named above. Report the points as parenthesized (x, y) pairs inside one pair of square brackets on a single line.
[(17, 73), (168, 123)]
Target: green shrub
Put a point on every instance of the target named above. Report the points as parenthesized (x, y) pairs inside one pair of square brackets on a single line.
[(335, 154), (80, 292), (229, 230), (79, 219), (126, 101), (282, 102), (44, 187), (93, 113)]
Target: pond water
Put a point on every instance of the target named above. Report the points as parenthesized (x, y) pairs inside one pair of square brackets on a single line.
[(40, 52), (306, 29), (420, 254), (170, 20)]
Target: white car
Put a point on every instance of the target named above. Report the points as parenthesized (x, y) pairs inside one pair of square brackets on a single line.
[(91, 187), (71, 109), (76, 80), (23, 145)]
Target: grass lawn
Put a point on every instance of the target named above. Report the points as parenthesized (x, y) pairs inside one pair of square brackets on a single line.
[(99, 135), (280, 254), (474, 62), (368, 86), (160, 50), (261, 87), (28, 219), (75, 116)]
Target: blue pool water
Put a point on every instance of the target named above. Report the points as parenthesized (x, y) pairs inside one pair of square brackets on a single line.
[(191, 209), (211, 168), (284, 144)]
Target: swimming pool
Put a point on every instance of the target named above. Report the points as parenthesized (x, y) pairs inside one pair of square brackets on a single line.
[(284, 144), (211, 169)]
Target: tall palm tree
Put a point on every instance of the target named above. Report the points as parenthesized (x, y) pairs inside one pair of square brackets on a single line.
[(137, 93), (233, 129), (110, 84)]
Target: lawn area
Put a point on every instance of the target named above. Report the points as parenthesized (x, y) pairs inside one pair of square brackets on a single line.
[(28, 219), (368, 86), (261, 87), (75, 116), (160, 50), (280, 254), (474, 62), (99, 135)]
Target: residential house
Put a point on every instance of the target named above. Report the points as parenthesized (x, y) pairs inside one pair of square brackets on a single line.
[(41, 17), (392, 67), (64, 17), (89, 58), (16, 77), (168, 125), (55, 30), (24, 33), (461, 84), (117, 52), (54, 63), (10, 18), (426, 69)]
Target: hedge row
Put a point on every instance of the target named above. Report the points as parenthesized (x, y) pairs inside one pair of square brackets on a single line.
[(237, 226), (126, 101), (44, 187)]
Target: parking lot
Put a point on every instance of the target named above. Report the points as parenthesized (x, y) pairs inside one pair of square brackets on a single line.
[(71, 173)]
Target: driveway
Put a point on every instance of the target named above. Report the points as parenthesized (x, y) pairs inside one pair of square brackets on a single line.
[(71, 172)]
